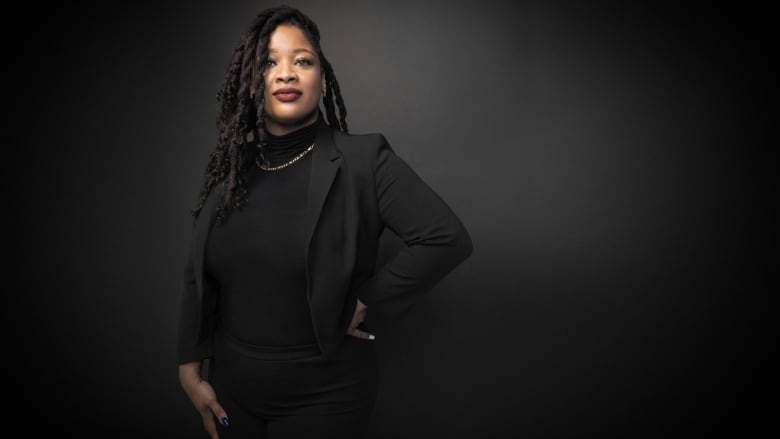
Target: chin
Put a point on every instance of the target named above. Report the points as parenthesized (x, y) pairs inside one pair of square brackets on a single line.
[(293, 118)]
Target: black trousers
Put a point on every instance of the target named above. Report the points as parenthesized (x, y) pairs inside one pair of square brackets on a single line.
[(309, 397)]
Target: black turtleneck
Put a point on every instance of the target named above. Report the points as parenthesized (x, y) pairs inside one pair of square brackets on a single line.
[(257, 256), (281, 149)]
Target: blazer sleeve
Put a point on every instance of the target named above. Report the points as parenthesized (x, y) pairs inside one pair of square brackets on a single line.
[(190, 348), (436, 241)]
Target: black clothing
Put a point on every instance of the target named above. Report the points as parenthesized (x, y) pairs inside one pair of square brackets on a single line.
[(267, 368), (310, 397), (281, 149), (358, 187), (257, 260)]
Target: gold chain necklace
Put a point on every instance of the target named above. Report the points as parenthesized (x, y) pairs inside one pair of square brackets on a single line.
[(265, 167)]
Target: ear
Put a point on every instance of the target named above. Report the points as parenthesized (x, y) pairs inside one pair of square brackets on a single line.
[(324, 85)]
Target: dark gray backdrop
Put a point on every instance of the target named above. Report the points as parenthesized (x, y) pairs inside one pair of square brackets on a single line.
[(608, 160)]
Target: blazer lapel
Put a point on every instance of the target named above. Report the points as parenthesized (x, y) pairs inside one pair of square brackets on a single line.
[(325, 163)]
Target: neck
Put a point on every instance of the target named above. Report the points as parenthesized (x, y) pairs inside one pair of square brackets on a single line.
[(282, 148)]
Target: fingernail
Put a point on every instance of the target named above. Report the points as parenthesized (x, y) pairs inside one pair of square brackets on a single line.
[(225, 422), (371, 336)]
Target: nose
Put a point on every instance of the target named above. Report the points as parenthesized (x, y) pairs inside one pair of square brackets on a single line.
[(285, 73)]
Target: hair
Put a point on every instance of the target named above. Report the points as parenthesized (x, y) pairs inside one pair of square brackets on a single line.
[(240, 103)]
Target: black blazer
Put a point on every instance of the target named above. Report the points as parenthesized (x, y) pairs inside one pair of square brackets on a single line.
[(358, 186)]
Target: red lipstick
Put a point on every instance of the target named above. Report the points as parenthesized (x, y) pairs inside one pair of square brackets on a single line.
[(287, 94)]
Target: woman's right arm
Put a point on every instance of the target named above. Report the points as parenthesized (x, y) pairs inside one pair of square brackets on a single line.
[(191, 352), (202, 396)]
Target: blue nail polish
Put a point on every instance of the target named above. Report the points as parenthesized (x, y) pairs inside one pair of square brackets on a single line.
[(225, 422)]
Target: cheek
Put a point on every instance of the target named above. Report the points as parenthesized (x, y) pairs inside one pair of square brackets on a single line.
[(267, 90), (314, 85)]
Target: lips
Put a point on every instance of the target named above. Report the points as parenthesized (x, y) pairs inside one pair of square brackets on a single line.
[(287, 94)]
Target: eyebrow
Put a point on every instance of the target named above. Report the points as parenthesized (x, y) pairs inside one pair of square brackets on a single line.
[(299, 50)]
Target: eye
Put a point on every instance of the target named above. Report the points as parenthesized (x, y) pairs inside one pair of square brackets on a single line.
[(270, 62), (304, 62)]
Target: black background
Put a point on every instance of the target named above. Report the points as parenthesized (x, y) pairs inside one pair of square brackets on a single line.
[(610, 161)]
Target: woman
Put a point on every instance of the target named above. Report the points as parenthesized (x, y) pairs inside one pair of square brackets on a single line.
[(282, 265)]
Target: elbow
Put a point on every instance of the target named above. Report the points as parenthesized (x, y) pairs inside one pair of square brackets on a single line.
[(465, 245), (452, 244), (461, 244)]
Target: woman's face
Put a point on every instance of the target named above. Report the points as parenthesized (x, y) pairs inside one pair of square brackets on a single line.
[(293, 81)]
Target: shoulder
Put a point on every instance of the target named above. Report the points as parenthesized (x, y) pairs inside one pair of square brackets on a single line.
[(362, 154), (359, 145)]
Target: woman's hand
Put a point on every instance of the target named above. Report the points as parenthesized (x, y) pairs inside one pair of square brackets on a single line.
[(357, 320), (203, 397)]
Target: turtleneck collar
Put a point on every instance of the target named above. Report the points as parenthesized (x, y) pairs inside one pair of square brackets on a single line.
[(280, 149)]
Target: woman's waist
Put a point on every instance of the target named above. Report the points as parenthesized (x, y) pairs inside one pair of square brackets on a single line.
[(266, 351)]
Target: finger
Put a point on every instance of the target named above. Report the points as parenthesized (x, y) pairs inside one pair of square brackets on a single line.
[(361, 334), (208, 424), (220, 414)]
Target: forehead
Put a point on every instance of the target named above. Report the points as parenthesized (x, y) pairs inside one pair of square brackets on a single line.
[(288, 37)]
